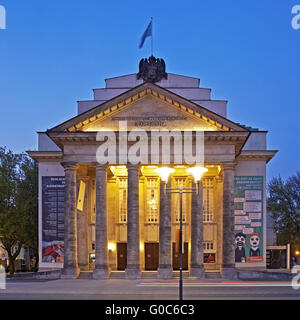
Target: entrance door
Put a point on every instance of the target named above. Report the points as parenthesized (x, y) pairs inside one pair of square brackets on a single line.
[(122, 256), (151, 256), (185, 257)]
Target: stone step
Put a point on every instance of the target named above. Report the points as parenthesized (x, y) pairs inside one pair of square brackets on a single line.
[(149, 275), (213, 275), (117, 275), (185, 274), (85, 275)]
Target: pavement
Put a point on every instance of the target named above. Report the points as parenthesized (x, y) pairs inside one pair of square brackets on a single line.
[(148, 289)]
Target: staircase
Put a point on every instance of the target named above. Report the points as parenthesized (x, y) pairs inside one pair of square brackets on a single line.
[(117, 275), (85, 275), (185, 274), (213, 275), (151, 275)]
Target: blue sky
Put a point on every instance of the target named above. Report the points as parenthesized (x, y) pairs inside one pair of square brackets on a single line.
[(54, 53)]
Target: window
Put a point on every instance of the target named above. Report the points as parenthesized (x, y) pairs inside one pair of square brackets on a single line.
[(180, 182), (152, 200), (123, 200), (208, 199), (209, 256), (208, 246)]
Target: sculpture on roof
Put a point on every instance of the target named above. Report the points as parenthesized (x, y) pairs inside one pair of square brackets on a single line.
[(152, 70)]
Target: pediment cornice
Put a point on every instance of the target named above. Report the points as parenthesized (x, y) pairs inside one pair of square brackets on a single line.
[(123, 101)]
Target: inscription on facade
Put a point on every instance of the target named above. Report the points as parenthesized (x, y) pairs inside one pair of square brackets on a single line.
[(149, 120)]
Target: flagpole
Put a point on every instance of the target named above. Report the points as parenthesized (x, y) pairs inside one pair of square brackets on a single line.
[(152, 37)]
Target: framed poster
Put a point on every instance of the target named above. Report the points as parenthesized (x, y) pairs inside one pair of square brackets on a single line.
[(53, 192), (248, 203)]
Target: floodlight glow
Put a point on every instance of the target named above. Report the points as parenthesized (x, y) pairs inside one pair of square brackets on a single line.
[(111, 246), (197, 172), (164, 173)]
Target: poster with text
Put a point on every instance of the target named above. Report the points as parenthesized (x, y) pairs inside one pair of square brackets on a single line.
[(248, 215), (53, 192)]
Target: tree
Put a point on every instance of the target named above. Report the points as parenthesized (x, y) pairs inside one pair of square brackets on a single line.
[(18, 204), (28, 193), (284, 205)]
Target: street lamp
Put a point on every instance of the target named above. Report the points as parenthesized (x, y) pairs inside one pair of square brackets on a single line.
[(164, 173), (197, 172)]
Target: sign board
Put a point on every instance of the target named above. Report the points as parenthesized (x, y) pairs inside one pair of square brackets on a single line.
[(248, 214), (53, 191), (81, 194)]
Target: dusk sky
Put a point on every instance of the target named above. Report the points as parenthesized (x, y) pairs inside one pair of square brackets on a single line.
[(54, 53)]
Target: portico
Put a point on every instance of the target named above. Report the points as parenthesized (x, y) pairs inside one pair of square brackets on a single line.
[(117, 215), (128, 215)]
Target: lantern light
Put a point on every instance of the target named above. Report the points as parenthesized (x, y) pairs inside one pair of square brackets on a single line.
[(164, 173), (197, 172)]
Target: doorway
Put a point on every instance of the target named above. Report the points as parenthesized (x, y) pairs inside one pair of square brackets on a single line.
[(122, 256), (185, 257), (151, 256)]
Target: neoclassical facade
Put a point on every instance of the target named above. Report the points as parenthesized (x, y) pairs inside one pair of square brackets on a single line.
[(118, 217)]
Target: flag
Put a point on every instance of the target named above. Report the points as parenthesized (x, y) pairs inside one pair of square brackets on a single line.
[(146, 34)]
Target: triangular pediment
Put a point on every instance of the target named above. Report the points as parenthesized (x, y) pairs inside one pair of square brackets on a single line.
[(148, 106)]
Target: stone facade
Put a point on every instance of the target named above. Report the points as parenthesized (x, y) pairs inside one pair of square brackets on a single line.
[(129, 222)]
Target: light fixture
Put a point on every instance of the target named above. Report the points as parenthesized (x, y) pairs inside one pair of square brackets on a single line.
[(164, 173), (111, 246), (197, 172)]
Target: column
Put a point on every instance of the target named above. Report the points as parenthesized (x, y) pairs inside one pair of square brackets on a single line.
[(133, 240), (82, 228), (101, 268), (228, 270), (165, 270), (197, 269), (70, 270)]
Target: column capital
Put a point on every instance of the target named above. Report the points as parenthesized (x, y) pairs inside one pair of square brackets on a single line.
[(69, 165), (99, 166), (133, 166), (229, 165)]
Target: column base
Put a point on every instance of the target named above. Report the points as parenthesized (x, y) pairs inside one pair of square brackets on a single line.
[(70, 273), (198, 272), (229, 273), (83, 267), (100, 274), (165, 273), (133, 273)]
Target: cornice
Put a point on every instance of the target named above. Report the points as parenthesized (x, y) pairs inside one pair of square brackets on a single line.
[(257, 155), (46, 156), (122, 101)]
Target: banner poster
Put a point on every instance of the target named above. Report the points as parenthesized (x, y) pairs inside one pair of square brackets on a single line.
[(53, 191), (248, 215)]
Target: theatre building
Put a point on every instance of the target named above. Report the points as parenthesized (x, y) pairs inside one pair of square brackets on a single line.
[(122, 217)]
